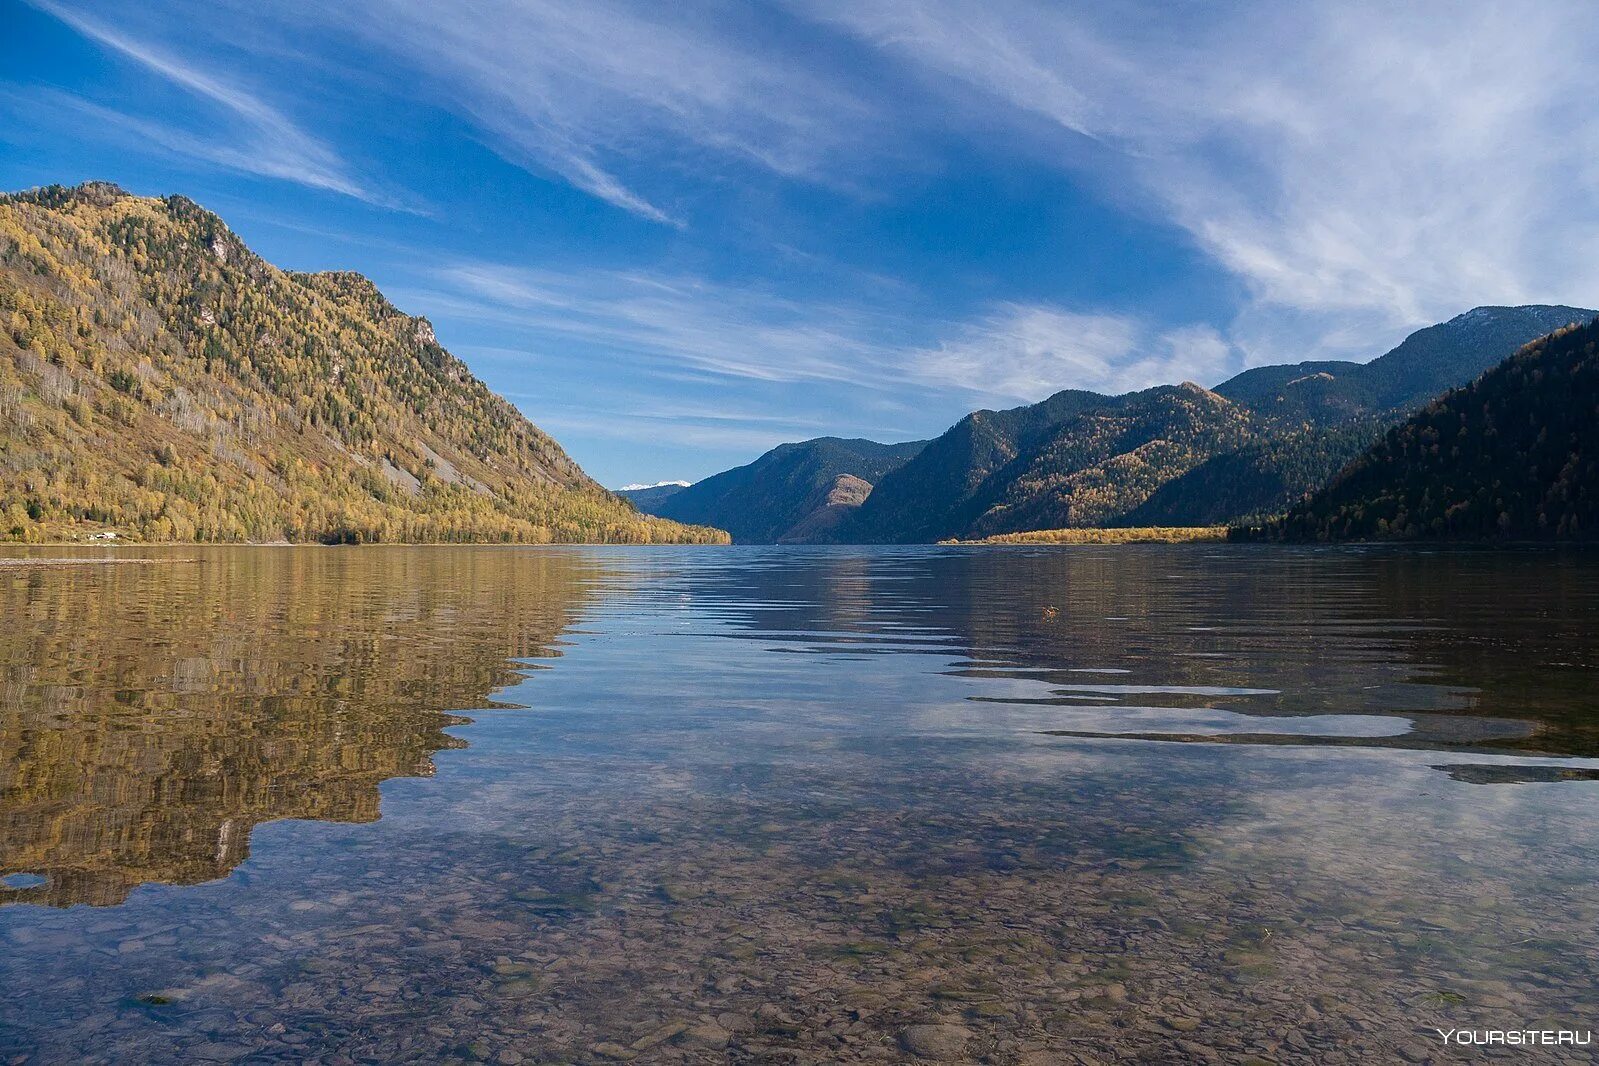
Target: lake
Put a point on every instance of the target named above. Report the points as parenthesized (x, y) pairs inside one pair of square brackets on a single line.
[(1034, 805)]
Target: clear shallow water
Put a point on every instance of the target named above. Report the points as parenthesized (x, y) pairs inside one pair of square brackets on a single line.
[(796, 804)]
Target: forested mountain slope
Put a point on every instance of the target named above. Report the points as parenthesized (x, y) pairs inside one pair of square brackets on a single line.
[(1259, 480), (1514, 455), (936, 491), (1252, 447), (161, 380), (1427, 363)]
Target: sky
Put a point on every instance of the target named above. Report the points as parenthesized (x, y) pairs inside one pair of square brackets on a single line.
[(675, 235)]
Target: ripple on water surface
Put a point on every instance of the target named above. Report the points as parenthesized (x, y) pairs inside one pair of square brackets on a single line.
[(790, 805)]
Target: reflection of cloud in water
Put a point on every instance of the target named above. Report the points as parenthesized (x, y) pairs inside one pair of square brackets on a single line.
[(824, 780), (1174, 690), (1217, 722), (1326, 817)]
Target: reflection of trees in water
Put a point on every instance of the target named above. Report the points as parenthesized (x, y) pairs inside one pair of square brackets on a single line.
[(1501, 635), (1516, 631), (151, 716)]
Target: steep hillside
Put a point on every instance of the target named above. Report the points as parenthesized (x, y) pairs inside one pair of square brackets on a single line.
[(160, 380), (1514, 455), (1259, 480), (827, 510), (1260, 443), (1100, 465), (1078, 458), (1424, 365), (935, 495), (761, 502)]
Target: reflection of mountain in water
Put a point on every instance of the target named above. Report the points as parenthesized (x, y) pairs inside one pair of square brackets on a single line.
[(152, 715), (1458, 649)]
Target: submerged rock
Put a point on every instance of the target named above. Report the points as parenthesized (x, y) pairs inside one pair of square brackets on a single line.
[(709, 1035), (935, 1041)]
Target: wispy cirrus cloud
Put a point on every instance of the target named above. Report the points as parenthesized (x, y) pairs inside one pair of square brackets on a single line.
[(1022, 352), (682, 322), (1007, 353), (683, 429), (590, 91), (1361, 167), (269, 143)]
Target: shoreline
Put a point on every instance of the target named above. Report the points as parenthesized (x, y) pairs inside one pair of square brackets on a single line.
[(1094, 535), (119, 544)]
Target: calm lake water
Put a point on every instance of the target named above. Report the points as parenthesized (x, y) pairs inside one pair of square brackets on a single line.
[(1177, 803)]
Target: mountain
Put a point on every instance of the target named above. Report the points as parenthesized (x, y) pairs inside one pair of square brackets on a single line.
[(828, 509), (1098, 465), (932, 491), (1077, 459), (648, 497), (160, 380), (1180, 455), (1257, 481), (1426, 364), (760, 503), (1514, 455)]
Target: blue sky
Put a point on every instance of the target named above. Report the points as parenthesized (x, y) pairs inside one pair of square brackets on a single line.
[(677, 234)]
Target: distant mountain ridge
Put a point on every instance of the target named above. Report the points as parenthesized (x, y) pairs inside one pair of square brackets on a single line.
[(811, 482), (1170, 456), (1252, 446), (1076, 459), (1514, 455), (160, 380), (1316, 417), (1425, 364)]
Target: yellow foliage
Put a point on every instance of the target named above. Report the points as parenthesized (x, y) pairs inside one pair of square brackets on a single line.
[(160, 379), (1130, 535)]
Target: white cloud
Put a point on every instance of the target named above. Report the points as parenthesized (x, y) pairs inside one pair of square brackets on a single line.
[(679, 321), (653, 485), (272, 145), (680, 431), (586, 90), (1008, 353), (1025, 352), (1362, 167)]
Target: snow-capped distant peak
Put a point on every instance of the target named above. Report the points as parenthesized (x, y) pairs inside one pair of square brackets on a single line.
[(657, 485)]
